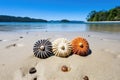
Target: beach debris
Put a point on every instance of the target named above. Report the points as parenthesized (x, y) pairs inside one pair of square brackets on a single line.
[(32, 70), (14, 45), (21, 37), (3, 40), (3, 64), (27, 32), (11, 45), (42, 48), (64, 68), (88, 35), (80, 46), (61, 47), (85, 78), (35, 78)]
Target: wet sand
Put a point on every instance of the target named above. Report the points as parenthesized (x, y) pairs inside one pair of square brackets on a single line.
[(16, 57)]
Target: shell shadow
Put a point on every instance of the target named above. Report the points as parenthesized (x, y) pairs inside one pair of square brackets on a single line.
[(89, 52)]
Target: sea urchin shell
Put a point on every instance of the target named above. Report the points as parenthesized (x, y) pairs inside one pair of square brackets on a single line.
[(42, 48), (80, 46), (61, 47)]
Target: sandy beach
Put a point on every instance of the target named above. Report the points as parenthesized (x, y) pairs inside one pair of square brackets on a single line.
[(17, 57)]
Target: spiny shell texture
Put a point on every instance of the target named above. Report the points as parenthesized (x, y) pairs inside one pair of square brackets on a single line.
[(61, 47), (42, 48), (80, 46)]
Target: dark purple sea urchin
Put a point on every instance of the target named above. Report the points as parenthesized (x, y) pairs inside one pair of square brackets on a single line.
[(42, 49)]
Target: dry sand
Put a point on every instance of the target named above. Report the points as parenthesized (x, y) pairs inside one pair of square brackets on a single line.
[(16, 57)]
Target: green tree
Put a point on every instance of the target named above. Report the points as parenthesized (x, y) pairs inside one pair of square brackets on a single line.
[(96, 17), (91, 15), (110, 15)]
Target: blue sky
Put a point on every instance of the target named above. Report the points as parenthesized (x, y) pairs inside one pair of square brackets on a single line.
[(55, 9)]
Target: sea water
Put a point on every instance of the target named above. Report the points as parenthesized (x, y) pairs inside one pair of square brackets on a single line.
[(38, 26)]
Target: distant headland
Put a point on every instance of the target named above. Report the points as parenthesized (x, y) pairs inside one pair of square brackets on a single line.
[(8, 18)]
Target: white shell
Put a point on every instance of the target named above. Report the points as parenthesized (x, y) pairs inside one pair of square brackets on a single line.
[(61, 47)]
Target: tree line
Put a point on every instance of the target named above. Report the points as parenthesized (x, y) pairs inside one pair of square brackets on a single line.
[(110, 15), (6, 18)]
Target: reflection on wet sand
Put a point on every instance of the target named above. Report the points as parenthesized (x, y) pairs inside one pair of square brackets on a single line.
[(104, 27)]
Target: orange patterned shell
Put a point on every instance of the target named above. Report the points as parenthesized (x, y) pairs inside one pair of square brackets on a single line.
[(80, 46)]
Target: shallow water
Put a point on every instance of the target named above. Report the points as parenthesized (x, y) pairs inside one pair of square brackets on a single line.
[(36, 26)]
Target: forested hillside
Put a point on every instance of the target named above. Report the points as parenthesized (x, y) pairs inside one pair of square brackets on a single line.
[(6, 18), (110, 15)]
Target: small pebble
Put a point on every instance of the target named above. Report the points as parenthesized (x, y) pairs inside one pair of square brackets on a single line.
[(64, 68), (21, 37), (27, 32), (35, 78), (3, 64), (32, 70), (88, 35), (12, 45), (85, 78)]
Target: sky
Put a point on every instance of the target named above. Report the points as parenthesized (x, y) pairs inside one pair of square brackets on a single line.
[(55, 9)]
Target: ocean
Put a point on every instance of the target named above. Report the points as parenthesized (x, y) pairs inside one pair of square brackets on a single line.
[(38, 26)]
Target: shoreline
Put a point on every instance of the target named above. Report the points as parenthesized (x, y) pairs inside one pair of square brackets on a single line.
[(76, 21), (103, 22)]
